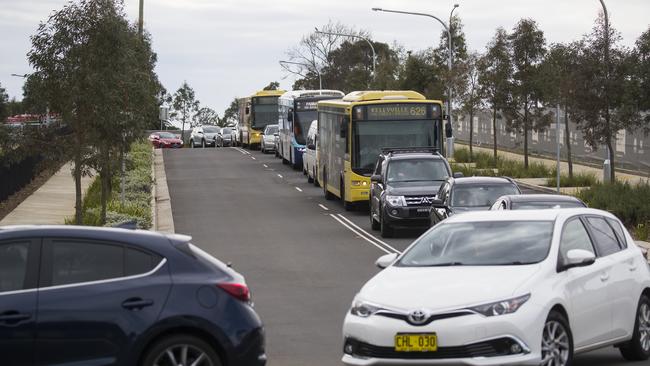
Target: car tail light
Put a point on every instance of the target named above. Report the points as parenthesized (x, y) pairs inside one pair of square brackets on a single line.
[(237, 290)]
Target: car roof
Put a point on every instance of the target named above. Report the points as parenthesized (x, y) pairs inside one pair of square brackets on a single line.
[(144, 238), (525, 215), (414, 155), (540, 197), (482, 180)]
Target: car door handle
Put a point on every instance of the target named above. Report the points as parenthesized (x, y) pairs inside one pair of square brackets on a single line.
[(604, 277), (136, 303), (14, 317)]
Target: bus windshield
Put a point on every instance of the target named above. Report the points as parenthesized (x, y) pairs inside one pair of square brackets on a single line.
[(301, 124), (265, 112), (371, 136)]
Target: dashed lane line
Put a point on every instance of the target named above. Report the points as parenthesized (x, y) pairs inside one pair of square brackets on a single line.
[(298, 189), (323, 207), (280, 175), (266, 166)]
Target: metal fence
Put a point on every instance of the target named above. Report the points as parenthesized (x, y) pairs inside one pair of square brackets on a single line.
[(632, 149), (17, 175)]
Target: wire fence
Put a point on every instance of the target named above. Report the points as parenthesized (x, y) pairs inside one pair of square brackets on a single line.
[(632, 149)]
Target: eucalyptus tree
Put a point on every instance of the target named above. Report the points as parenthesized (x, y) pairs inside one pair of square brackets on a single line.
[(495, 74), (526, 112), (184, 105)]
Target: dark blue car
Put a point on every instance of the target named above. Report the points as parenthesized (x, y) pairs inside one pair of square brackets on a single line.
[(89, 296)]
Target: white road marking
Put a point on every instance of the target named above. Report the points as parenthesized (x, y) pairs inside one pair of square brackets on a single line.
[(359, 235), (323, 207), (298, 189), (252, 157), (370, 236), (266, 166), (280, 175), (241, 150)]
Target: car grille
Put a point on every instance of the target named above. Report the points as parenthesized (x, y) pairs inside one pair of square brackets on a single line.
[(412, 201), (491, 348), (434, 317)]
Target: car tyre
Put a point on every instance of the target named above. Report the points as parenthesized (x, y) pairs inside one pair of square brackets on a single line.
[(385, 229), (638, 348), (373, 223), (557, 341), (175, 346), (203, 143), (191, 144)]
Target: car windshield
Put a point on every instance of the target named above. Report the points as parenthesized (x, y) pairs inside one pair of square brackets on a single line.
[(545, 204), (480, 195), (166, 135), (210, 129), (371, 136), (265, 112), (416, 170), (270, 130), (486, 243)]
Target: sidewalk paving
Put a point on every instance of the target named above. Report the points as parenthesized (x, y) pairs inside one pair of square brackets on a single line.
[(564, 166), (51, 204)]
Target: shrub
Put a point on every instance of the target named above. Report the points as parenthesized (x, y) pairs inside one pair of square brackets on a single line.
[(629, 203), (578, 180)]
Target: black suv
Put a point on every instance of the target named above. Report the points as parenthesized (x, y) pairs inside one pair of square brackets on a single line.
[(458, 195), (404, 183)]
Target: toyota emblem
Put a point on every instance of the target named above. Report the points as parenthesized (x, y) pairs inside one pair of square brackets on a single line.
[(418, 317)]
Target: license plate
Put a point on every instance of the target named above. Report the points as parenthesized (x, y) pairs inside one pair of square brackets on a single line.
[(427, 342)]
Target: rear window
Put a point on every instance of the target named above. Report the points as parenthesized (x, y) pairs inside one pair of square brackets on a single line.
[(544, 204), (478, 195)]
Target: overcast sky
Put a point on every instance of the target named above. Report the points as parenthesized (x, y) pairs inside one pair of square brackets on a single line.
[(228, 48)]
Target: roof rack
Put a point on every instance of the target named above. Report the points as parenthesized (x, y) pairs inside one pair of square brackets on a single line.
[(406, 150)]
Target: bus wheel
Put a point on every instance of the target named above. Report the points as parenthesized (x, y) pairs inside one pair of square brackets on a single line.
[(348, 206), (328, 195)]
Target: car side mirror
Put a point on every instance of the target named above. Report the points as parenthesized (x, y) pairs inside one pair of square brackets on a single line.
[(386, 260), (458, 175), (156, 137), (311, 147), (376, 178), (437, 203), (579, 258)]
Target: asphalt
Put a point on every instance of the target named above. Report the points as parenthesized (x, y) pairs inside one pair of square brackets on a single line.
[(303, 257)]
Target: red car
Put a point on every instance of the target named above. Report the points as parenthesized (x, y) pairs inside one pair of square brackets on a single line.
[(165, 140)]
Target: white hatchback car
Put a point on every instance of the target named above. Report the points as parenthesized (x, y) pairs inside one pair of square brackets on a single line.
[(502, 288)]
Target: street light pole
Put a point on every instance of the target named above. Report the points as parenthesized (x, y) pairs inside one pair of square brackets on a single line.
[(450, 143), (141, 18), (374, 54), (607, 167), (320, 77)]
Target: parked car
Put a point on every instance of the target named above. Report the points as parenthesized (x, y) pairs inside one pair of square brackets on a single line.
[(234, 131), (309, 156), (224, 137), (500, 288), (165, 140), (204, 136), (458, 195), (268, 138), (536, 201), (403, 185), (99, 296)]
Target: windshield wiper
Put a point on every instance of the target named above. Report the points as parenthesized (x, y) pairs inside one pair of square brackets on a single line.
[(446, 264)]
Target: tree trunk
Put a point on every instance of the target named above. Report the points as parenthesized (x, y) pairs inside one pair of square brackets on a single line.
[(494, 130), (471, 132), (105, 182), (567, 140), (612, 155), (526, 138)]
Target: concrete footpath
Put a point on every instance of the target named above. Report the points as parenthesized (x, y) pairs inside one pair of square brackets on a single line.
[(51, 204)]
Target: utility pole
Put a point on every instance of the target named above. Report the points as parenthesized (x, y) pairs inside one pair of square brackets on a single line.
[(141, 18)]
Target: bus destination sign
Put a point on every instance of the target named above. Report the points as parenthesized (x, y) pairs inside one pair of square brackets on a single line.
[(402, 111)]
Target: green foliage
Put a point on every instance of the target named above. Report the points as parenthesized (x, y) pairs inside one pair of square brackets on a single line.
[(137, 192), (273, 85), (184, 106), (578, 180), (4, 109), (642, 231), (483, 164), (629, 203)]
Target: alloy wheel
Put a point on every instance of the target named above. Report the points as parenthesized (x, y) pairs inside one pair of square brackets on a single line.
[(183, 355), (644, 327), (555, 344)]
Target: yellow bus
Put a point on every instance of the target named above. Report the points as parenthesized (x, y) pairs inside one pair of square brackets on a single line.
[(353, 130), (255, 113)]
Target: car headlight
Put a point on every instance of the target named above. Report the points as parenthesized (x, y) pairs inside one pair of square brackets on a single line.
[(501, 307), (396, 201), (363, 309)]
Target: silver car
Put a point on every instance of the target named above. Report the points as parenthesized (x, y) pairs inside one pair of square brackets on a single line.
[(224, 137), (204, 136), (268, 138)]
